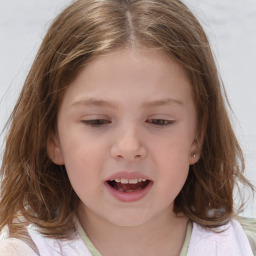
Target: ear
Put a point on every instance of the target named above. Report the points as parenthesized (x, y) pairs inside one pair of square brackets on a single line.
[(195, 151), (54, 150)]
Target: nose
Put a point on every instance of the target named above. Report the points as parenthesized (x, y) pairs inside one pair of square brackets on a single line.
[(128, 146)]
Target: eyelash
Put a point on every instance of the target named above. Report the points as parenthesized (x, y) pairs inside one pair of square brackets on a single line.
[(160, 122), (101, 122), (96, 122)]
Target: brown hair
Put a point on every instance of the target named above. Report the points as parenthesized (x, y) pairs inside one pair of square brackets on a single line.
[(34, 187)]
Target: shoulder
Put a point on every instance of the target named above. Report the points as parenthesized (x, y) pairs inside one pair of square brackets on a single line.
[(55, 247), (229, 239), (249, 227), (15, 247), (44, 246)]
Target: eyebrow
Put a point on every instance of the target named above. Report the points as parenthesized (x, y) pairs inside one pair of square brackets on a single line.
[(113, 105), (95, 102), (162, 102)]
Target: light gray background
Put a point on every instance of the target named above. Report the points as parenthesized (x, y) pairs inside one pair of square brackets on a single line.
[(230, 25)]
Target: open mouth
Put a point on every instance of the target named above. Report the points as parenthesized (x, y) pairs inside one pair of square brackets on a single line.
[(128, 185)]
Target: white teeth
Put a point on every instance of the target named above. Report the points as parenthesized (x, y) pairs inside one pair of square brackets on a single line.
[(133, 181), (129, 181), (124, 181)]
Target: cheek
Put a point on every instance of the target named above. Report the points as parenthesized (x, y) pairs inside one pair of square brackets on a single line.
[(83, 161), (83, 171), (172, 163), (174, 167), (173, 177), (174, 149)]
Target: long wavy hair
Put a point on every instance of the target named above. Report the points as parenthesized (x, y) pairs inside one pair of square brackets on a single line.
[(34, 187)]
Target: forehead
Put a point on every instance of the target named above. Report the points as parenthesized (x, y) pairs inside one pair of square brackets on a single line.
[(131, 73)]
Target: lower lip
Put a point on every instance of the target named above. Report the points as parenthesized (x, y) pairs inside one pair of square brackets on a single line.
[(129, 196)]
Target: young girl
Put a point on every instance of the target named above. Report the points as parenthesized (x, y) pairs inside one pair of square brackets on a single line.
[(120, 142)]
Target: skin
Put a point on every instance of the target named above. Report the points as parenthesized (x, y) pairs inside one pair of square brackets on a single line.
[(134, 85)]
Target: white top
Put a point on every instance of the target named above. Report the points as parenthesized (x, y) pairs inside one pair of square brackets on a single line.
[(232, 241)]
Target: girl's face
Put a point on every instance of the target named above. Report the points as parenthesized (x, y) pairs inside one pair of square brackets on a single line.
[(127, 135)]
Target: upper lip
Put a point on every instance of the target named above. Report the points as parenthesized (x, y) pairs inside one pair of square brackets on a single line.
[(128, 175)]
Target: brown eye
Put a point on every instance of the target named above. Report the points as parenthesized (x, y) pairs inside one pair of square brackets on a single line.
[(160, 122), (96, 122)]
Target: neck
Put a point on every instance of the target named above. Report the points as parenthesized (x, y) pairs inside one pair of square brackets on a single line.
[(163, 235)]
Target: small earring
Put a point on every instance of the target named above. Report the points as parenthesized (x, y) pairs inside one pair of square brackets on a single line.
[(194, 155)]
